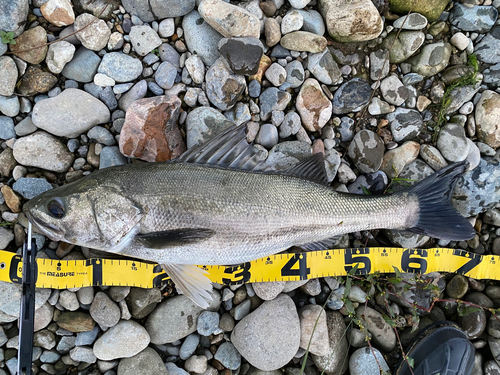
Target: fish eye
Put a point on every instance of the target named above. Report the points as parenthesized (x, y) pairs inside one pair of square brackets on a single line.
[(56, 208)]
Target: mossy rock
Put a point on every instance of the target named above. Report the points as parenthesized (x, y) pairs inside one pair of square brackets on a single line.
[(431, 9)]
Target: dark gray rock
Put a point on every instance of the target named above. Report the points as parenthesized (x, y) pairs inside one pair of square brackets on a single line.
[(487, 49), (203, 123), (242, 54), (83, 66), (324, 68), (405, 124), (30, 187), (477, 18), (273, 99), (228, 356), (366, 151), (351, 96)]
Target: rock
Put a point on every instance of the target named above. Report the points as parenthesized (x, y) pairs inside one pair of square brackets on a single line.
[(333, 362), (138, 91), (144, 39), (44, 151), (363, 362), (313, 21), (9, 105), (405, 124), (58, 12), (58, 55), (142, 301), (150, 10), (460, 41), (229, 20), (367, 151), (197, 364), (313, 106), (452, 143), (406, 44), (94, 37), (292, 21), (30, 187), (82, 354), (429, 9), (457, 287), (433, 157), (395, 160), (208, 322), (382, 334), (14, 15), (7, 163), (476, 190), (379, 68), (473, 324), (201, 38), (203, 123), (269, 337), (196, 69), (11, 199), (432, 59), (324, 68), (415, 21), (110, 345), (165, 75), (351, 96), (313, 324), (224, 88), (83, 66), (393, 91), (271, 100), (75, 321), (267, 136), (242, 54), (294, 74), (477, 18), (152, 119), (61, 117), (35, 81), (304, 41), (26, 43), (175, 318), (379, 107), (487, 115), (6, 236), (272, 31), (276, 74), (486, 49), (8, 76), (104, 310), (228, 356), (147, 361), (120, 67), (268, 290), (7, 130)]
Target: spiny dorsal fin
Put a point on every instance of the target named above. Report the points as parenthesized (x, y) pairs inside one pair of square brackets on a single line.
[(229, 149), (312, 169)]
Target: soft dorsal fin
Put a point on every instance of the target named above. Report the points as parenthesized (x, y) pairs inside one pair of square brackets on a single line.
[(229, 149), (312, 169)]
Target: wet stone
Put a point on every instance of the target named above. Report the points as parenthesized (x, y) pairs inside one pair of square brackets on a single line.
[(351, 96), (294, 75), (405, 124), (432, 59), (415, 21), (393, 91), (224, 88), (403, 46)]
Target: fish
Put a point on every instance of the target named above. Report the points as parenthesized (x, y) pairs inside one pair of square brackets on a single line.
[(217, 204)]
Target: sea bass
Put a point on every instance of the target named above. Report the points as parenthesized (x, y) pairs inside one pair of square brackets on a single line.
[(214, 205)]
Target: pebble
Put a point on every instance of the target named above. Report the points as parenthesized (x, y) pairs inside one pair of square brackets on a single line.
[(59, 115), (104, 311), (478, 18), (276, 74), (202, 124), (82, 354), (290, 125), (166, 28), (269, 337), (144, 39), (313, 106), (304, 41), (110, 345), (228, 356), (405, 124), (8, 75), (432, 59), (7, 129), (224, 88), (58, 55), (208, 322), (486, 115), (189, 346), (271, 100), (165, 75), (351, 96), (393, 90), (138, 91), (147, 361), (367, 151), (267, 136), (196, 69), (292, 21), (30, 187), (95, 37), (363, 362), (17, 11), (415, 21), (242, 54), (9, 105), (25, 43), (196, 364), (314, 330), (452, 143), (324, 68), (83, 66), (120, 67), (272, 30), (382, 333), (313, 21), (201, 38)]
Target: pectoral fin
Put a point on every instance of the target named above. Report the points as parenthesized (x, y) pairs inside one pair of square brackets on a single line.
[(171, 238), (191, 280)]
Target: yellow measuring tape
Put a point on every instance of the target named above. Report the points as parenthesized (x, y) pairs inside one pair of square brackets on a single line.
[(62, 274)]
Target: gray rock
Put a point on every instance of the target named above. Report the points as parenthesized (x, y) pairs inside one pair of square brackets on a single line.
[(42, 150), (142, 301), (60, 116), (208, 322), (10, 295), (393, 91), (88, 337), (366, 151), (146, 362), (242, 54), (228, 356), (477, 18), (94, 37), (405, 124), (6, 236), (201, 38), (304, 41), (276, 74), (314, 330), (172, 369), (203, 123), (492, 75), (144, 39), (8, 75), (269, 337), (224, 88), (165, 75), (101, 135), (268, 290), (68, 300), (476, 190), (491, 368), (351, 96), (290, 125), (452, 143), (294, 75), (110, 345), (150, 10), (459, 96), (58, 55), (83, 354), (120, 67), (324, 68), (166, 28), (196, 364), (104, 310), (25, 127), (239, 114), (242, 310), (13, 16), (406, 44), (169, 53), (432, 59), (111, 156), (382, 334), (313, 21), (379, 67), (363, 362), (196, 68), (286, 154), (189, 346), (292, 21), (272, 99), (379, 107), (267, 136), (415, 21), (7, 130), (9, 105), (176, 318), (30, 187), (138, 91)]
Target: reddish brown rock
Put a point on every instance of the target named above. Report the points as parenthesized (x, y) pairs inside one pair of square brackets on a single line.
[(36, 81), (11, 199), (58, 12), (313, 106), (150, 131), (31, 46)]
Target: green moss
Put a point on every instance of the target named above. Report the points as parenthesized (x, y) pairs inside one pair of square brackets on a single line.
[(431, 9)]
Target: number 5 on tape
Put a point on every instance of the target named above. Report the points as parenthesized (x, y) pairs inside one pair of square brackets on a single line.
[(353, 256)]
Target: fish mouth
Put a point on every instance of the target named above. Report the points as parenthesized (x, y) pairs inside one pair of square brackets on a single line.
[(44, 228)]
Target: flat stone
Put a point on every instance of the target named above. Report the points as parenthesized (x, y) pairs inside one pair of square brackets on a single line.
[(272, 31), (414, 21), (313, 21), (393, 90), (60, 116), (268, 290), (27, 41), (196, 68), (83, 66), (224, 88), (203, 123), (432, 59), (58, 12), (229, 20), (138, 91), (144, 39), (351, 96), (487, 115), (304, 41), (366, 151), (294, 74), (8, 76), (95, 37), (351, 21), (142, 301), (42, 150), (120, 67), (30, 187), (201, 38), (486, 49), (110, 345), (269, 337), (147, 361), (397, 159), (165, 75), (104, 310), (292, 21), (405, 124), (152, 119), (75, 321), (313, 106), (276, 74)]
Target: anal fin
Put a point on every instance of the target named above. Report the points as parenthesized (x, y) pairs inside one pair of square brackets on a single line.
[(191, 280)]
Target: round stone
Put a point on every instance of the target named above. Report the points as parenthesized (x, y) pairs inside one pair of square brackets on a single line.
[(165, 75), (487, 118), (110, 345), (144, 39), (367, 151), (457, 287), (304, 41), (120, 67), (267, 136), (351, 96), (314, 107), (382, 333), (146, 362), (452, 143), (432, 59), (83, 66), (363, 362), (95, 36), (26, 43), (104, 310)]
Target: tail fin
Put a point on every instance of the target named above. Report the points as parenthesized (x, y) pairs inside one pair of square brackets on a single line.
[(437, 218)]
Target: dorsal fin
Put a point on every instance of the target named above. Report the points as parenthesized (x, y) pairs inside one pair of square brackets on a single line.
[(312, 169), (229, 149)]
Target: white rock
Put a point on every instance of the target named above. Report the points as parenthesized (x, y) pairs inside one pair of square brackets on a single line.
[(58, 55), (103, 80), (292, 21), (196, 68), (460, 41), (166, 28), (144, 39)]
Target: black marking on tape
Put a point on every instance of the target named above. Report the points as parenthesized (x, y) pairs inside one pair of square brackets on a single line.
[(96, 265), (475, 259), (353, 256), (302, 271), (240, 274), (409, 257)]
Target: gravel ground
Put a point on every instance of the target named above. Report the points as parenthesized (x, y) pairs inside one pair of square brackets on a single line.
[(307, 76)]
